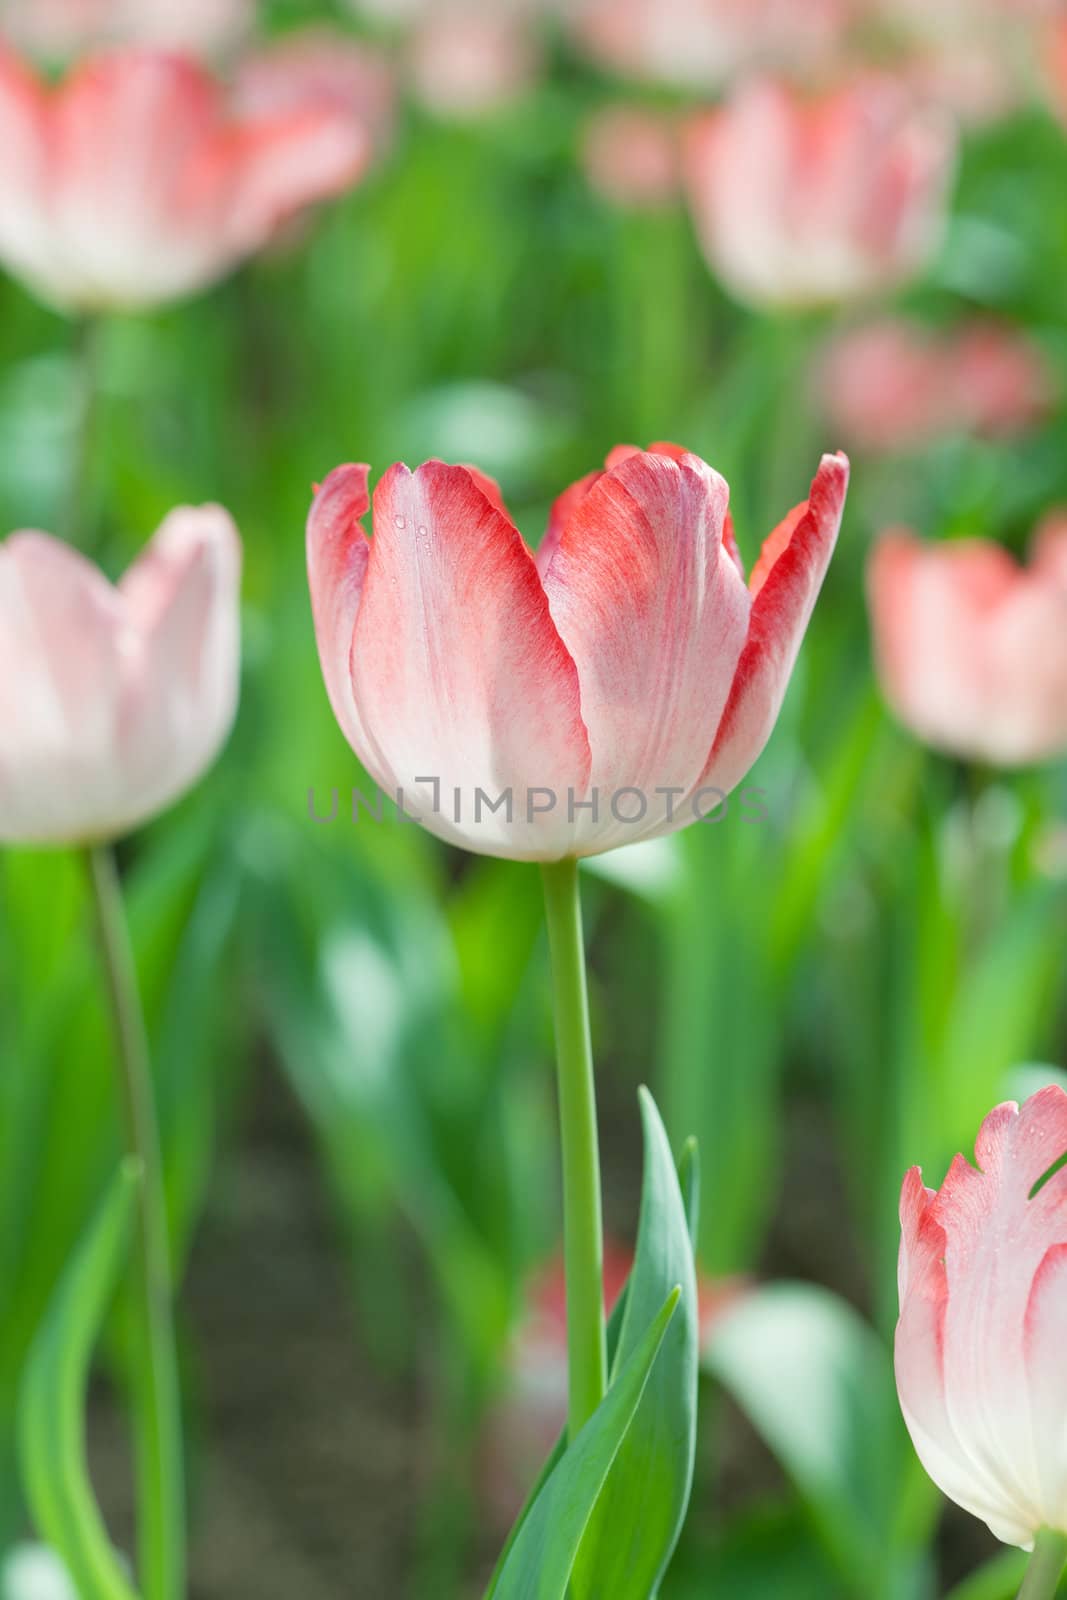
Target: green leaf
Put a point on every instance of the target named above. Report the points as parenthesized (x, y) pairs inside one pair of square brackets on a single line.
[(542, 1557), (635, 1527), (817, 1383), (998, 1579), (689, 1184), (52, 1407)]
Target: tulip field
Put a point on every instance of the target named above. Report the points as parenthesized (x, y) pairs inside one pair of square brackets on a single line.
[(533, 799)]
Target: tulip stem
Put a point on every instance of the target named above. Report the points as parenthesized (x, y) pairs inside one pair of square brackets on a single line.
[(1046, 1566), (77, 522), (582, 1229), (160, 1471)]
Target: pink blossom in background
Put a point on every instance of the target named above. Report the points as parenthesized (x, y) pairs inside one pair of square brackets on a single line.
[(804, 200), (629, 655), (136, 181), (530, 1412), (983, 1306), (59, 30), (466, 60), (895, 385), (114, 700), (316, 67), (1054, 58), (703, 44), (976, 78), (631, 156), (962, 19), (971, 647)]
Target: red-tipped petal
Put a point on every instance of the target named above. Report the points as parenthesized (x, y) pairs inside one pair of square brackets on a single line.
[(338, 552), (654, 613), (458, 672), (786, 584)]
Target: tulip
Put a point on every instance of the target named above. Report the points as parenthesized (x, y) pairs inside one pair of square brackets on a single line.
[(894, 385), (983, 1306), (136, 182), (615, 688), (60, 30), (971, 648), (631, 157), (315, 67), (467, 60), (703, 44), (113, 700), (802, 201)]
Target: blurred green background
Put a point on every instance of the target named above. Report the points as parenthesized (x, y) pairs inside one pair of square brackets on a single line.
[(350, 1022)]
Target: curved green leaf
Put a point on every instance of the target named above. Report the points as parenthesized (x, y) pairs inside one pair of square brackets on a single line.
[(52, 1404), (635, 1527), (542, 1557), (689, 1184)]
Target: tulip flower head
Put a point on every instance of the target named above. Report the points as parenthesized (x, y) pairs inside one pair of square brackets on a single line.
[(60, 30), (983, 1306), (895, 385), (971, 648), (315, 67), (136, 181), (807, 201), (631, 157), (113, 700), (613, 688), (704, 44)]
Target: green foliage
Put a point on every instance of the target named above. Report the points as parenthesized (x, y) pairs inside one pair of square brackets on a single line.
[(543, 1556), (635, 1526), (53, 1401)]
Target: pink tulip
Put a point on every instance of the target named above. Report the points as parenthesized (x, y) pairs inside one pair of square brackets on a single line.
[(614, 688), (315, 68), (983, 1306), (895, 385), (703, 44), (804, 201), (135, 182), (60, 30), (531, 1409), (971, 648), (466, 60), (1055, 59), (113, 701), (631, 157)]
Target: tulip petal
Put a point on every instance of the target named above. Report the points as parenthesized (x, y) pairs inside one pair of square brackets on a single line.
[(786, 583), (919, 1360), (180, 694), (23, 138), (61, 627), (286, 164), (997, 1237), (338, 551), (655, 614), (459, 674)]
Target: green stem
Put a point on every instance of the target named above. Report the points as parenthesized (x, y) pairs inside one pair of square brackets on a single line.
[(582, 1230), (1046, 1566), (160, 1472), (77, 520)]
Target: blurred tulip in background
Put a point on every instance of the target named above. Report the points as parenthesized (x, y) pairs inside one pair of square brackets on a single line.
[(971, 647), (115, 700), (136, 181), (809, 200)]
